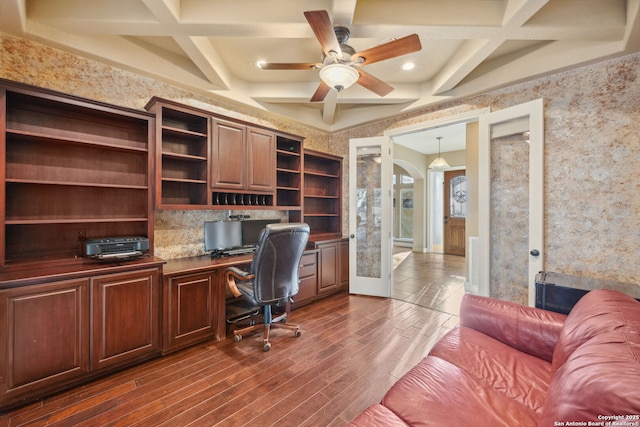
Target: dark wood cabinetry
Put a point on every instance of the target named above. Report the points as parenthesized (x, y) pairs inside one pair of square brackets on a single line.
[(308, 289), (190, 308), (327, 267), (126, 318), (333, 265), (45, 336), (181, 157), (206, 161), (322, 204), (243, 165), (73, 169), (289, 175), (229, 155), (59, 333), (194, 298)]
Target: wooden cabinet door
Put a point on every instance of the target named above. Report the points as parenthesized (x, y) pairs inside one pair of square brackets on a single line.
[(261, 160), (327, 267), (44, 336), (229, 156), (125, 317), (190, 309)]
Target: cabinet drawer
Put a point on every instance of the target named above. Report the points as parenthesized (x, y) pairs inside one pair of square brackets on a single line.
[(307, 289), (308, 265)]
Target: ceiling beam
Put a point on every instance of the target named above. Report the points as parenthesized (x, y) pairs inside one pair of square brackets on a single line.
[(329, 108), (474, 52)]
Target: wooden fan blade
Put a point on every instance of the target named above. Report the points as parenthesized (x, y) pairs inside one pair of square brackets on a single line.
[(323, 29), (321, 92), (374, 84), (392, 49), (285, 66)]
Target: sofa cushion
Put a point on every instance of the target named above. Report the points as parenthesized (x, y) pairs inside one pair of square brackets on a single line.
[(597, 312), (528, 329), (494, 364), (436, 392), (599, 376)]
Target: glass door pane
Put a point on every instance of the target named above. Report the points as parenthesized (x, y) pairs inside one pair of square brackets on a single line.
[(368, 210)]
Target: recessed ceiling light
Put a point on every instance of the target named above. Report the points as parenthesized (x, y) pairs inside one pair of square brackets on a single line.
[(408, 66)]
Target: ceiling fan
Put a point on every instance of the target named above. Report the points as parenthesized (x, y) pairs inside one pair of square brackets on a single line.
[(341, 64)]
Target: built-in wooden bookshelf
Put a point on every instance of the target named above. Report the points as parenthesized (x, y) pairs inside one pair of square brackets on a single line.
[(182, 156), (72, 169), (289, 163), (322, 206)]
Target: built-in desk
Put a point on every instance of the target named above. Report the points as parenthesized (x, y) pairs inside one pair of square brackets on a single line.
[(195, 291), (194, 296), (560, 292)]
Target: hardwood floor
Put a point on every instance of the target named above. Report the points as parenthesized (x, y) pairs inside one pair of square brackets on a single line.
[(352, 349), (429, 279)]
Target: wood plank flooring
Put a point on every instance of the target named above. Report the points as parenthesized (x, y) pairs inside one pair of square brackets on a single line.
[(352, 349), (431, 280)]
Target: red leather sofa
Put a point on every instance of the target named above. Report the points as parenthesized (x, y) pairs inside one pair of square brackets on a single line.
[(513, 365)]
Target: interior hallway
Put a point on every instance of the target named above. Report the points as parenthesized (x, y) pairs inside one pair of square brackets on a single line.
[(430, 280)]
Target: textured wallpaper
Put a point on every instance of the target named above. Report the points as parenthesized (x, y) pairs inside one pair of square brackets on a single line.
[(592, 150), (592, 165)]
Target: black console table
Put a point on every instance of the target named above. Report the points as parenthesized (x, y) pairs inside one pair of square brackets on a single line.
[(560, 292)]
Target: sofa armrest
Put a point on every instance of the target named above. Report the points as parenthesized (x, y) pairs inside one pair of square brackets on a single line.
[(530, 330)]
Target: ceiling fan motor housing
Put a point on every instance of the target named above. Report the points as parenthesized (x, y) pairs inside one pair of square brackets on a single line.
[(345, 58)]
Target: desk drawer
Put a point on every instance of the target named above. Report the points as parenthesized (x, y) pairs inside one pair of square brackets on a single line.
[(307, 289), (308, 265)]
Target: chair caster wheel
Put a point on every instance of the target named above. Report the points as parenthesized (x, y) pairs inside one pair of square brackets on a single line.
[(297, 333), (267, 346), (237, 338)]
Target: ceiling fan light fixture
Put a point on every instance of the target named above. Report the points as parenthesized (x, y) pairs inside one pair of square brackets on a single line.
[(339, 76)]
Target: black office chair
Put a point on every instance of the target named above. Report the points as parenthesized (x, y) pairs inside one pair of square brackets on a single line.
[(273, 276)]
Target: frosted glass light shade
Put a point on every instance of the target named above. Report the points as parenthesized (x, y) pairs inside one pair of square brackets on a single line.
[(439, 163), (339, 76)]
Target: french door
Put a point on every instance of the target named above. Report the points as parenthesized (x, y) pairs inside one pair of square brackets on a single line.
[(370, 215), (511, 211)]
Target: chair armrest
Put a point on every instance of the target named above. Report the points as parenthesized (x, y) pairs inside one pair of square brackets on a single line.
[(528, 329), (234, 273)]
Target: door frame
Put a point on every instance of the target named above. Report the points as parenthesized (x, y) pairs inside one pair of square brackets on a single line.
[(534, 110), (465, 117)]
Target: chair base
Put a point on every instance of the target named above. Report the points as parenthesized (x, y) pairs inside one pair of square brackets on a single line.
[(276, 322)]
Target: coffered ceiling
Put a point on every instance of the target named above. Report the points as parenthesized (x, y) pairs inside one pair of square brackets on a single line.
[(212, 46)]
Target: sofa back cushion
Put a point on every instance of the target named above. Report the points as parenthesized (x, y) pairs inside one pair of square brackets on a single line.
[(598, 362), (595, 313)]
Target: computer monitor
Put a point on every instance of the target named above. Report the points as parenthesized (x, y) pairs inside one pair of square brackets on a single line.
[(221, 235), (251, 230)]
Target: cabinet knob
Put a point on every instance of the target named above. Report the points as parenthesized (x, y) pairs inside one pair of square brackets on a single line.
[(351, 236), (534, 252)]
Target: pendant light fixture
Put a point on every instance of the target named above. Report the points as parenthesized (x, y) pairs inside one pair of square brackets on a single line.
[(439, 163)]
